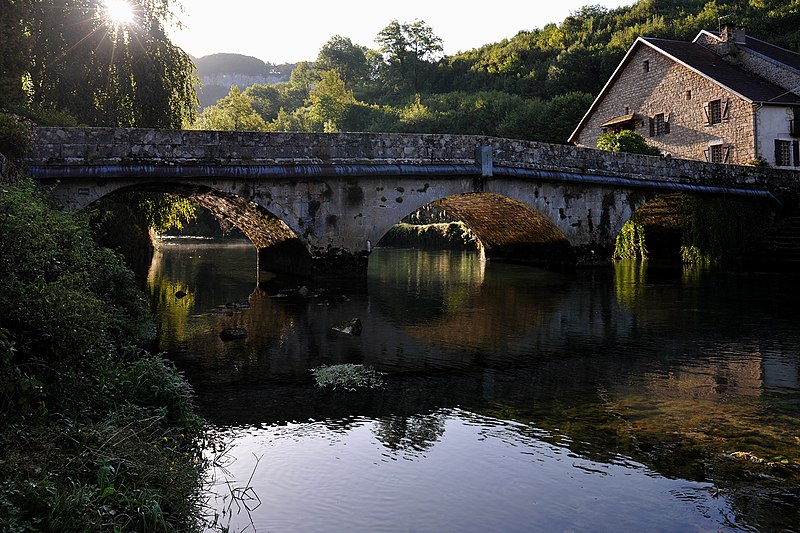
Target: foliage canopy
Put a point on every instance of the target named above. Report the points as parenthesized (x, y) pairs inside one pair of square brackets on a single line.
[(68, 58), (535, 85)]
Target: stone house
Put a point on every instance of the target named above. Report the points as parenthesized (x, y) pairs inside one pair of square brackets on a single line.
[(724, 98)]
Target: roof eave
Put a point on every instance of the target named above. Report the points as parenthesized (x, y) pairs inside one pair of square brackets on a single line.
[(706, 32)]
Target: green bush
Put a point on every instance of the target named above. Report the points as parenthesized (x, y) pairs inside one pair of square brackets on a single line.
[(97, 435), (15, 136), (626, 141), (630, 241), (61, 297)]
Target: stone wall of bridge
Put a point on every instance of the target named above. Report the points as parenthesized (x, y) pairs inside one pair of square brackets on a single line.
[(129, 146), (340, 193)]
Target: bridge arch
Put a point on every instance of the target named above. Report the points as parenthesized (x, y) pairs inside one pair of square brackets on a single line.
[(696, 227), (280, 249), (506, 229), (654, 230), (509, 230)]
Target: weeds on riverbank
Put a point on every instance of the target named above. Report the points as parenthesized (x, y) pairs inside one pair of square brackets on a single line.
[(96, 435)]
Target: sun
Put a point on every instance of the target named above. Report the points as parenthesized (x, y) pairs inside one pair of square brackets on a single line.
[(118, 12)]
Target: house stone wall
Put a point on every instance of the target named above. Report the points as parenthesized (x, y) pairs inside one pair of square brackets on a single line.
[(681, 95)]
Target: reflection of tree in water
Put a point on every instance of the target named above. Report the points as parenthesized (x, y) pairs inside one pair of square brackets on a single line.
[(415, 433), (431, 283), (458, 301), (173, 311)]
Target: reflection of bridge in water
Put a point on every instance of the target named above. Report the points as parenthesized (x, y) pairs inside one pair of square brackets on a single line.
[(326, 199), (651, 365)]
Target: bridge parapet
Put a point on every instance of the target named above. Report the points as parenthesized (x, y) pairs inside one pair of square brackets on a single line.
[(463, 154), (132, 145)]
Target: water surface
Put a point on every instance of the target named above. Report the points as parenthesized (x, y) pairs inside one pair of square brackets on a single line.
[(516, 399)]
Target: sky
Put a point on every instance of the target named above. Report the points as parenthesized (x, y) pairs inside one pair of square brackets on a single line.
[(294, 30)]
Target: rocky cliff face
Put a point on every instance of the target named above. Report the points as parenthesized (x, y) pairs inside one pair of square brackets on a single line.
[(219, 72)]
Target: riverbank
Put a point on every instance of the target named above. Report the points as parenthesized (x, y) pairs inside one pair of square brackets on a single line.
[(97, 434)]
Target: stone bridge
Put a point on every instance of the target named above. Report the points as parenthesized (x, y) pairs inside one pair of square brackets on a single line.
[(309, 201)]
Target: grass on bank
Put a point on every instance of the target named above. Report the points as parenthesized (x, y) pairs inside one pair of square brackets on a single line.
[(96, 434)]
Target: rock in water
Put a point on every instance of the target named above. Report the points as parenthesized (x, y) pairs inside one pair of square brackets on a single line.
[(231, 334), (351, 327)]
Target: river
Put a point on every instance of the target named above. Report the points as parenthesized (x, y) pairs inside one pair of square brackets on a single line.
[(627, 398)]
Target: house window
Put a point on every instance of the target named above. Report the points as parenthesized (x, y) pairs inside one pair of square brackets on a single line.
[(716, 153), (688, 95), (628, 121), (659, 125), (717, 111), (783, 153), (646, 65)]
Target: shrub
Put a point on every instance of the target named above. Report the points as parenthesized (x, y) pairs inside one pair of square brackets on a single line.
[(97, 435), (15, 136), (626, 141)]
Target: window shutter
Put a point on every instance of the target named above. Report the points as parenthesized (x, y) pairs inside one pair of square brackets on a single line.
[(666, 122), (652, 127), (707, 109), (726, 114), (777, 152), (796, 153), (707, 153), (726, 153)]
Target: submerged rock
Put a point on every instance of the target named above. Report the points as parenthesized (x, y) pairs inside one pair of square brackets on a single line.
[(231, 334), (351, 327)]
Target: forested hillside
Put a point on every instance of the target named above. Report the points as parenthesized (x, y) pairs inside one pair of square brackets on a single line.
[(535, 85)]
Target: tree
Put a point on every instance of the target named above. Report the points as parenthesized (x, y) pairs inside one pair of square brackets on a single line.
[(626, 141), (234, 112), (100, 72), (303, 77), (340, 54), (266, 100), (16, 51), (330, 100), (407, 48)]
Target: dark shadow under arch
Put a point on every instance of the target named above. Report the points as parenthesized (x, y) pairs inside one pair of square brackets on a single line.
[(279, 248), (661, 223), (509, 230)]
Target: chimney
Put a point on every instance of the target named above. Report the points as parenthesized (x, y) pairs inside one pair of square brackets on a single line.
[(733, 34)]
